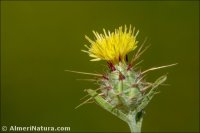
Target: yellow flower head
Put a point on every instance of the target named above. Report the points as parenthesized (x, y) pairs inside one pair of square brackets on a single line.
[(112, 46)]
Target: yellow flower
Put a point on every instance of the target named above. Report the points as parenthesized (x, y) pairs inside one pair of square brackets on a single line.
[(112, 46)]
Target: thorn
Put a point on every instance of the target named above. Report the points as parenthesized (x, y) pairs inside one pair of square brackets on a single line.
[(85, 90), (145, 88), (121, 76), (129, 67), (105, 77), (139, 52), (141, 46), (111, 66), (157, 92), (147, 83), (155, 68), (138, 63), (87, 79), (84, 97), (94, 74), (90, 102), (141, 78), (165, 84), (86, 101)]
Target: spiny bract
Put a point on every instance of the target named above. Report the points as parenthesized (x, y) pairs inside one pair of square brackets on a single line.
[(123, 87)]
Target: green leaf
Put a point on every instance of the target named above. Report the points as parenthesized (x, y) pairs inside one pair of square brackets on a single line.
[(106, 105), (151, 93)]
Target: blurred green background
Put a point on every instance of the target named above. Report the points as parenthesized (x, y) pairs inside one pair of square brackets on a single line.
[(39, 40)]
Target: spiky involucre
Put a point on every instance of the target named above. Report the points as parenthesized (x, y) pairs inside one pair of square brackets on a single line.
[(123, 87)]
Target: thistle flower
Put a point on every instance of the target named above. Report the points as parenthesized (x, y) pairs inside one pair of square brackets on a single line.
[(112, 47), (122, 90)]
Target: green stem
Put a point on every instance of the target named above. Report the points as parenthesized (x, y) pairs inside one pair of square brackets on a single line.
[(135, 122), (133, 119)]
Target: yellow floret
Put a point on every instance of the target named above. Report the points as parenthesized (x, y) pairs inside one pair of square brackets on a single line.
[(112, 47)]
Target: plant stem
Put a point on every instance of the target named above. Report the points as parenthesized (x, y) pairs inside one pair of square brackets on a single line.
[(135, 122)]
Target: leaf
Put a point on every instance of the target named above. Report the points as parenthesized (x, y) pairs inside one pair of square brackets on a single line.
[(106, 105), (151, 93)]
